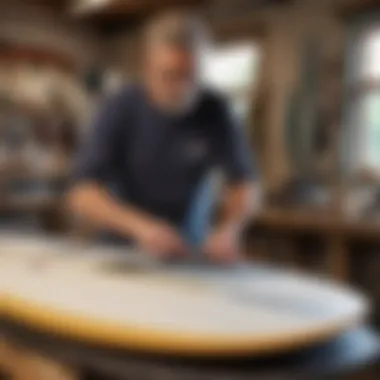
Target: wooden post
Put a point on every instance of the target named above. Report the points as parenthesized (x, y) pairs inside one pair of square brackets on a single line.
[(338, 258)]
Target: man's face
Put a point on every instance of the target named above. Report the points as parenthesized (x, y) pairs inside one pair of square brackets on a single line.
[(171, 73)]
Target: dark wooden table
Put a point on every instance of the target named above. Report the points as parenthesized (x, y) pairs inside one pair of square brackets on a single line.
[(355, 353)]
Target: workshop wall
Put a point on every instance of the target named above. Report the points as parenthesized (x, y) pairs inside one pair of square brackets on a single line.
[(27, 24)]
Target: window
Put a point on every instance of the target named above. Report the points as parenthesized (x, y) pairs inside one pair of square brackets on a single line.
[(233, 70), (364, 100)]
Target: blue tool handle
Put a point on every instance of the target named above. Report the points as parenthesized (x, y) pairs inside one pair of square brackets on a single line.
[(198, 221)]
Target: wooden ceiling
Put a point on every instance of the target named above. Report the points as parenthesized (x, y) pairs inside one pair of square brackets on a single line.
[(116, 15), (111, 8), (110, 16), (117, 9), (55, 4), (127, 8)]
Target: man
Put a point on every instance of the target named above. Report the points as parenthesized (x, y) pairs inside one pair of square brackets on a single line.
[(154, 144)]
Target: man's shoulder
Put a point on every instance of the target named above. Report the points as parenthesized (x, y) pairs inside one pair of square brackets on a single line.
[(127, 95), (116, 109)]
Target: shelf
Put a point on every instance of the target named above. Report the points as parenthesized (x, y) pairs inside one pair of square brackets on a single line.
[(28, 203), (323, 222)]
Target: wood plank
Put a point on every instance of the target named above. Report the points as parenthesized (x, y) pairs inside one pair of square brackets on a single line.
[(54, 4), (351, 8), (119, 8), (338, 258), (323, 222), (23, 364)]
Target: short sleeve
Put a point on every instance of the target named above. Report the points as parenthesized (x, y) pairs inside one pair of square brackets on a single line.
[(234, 153), (97, 158)]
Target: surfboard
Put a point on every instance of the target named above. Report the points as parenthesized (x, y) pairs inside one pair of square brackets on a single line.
[(117, 297)]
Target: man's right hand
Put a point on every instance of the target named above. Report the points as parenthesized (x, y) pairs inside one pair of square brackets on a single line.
[(154, 236), (161, 240)]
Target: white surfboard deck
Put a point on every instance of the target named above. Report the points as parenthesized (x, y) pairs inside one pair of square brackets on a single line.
[(118, 298)]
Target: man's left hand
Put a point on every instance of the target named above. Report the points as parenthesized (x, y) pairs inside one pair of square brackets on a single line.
[(223, 245)]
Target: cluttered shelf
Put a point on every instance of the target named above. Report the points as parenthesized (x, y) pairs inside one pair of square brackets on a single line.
[(319, 222)]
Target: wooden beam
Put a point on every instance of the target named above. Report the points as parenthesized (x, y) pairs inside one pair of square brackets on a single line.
[(239, 28), (125, 8), (54, 4), (19, 53), (351, 8)]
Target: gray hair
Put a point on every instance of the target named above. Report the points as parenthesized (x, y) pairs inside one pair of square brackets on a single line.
[(182, 29)]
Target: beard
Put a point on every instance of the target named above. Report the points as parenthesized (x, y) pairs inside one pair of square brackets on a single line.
[(183, 105)]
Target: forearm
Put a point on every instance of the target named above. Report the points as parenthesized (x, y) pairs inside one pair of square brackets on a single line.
[(239, 205), (97, 206)]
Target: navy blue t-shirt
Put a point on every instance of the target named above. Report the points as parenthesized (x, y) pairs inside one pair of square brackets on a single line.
[(155, 161)]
